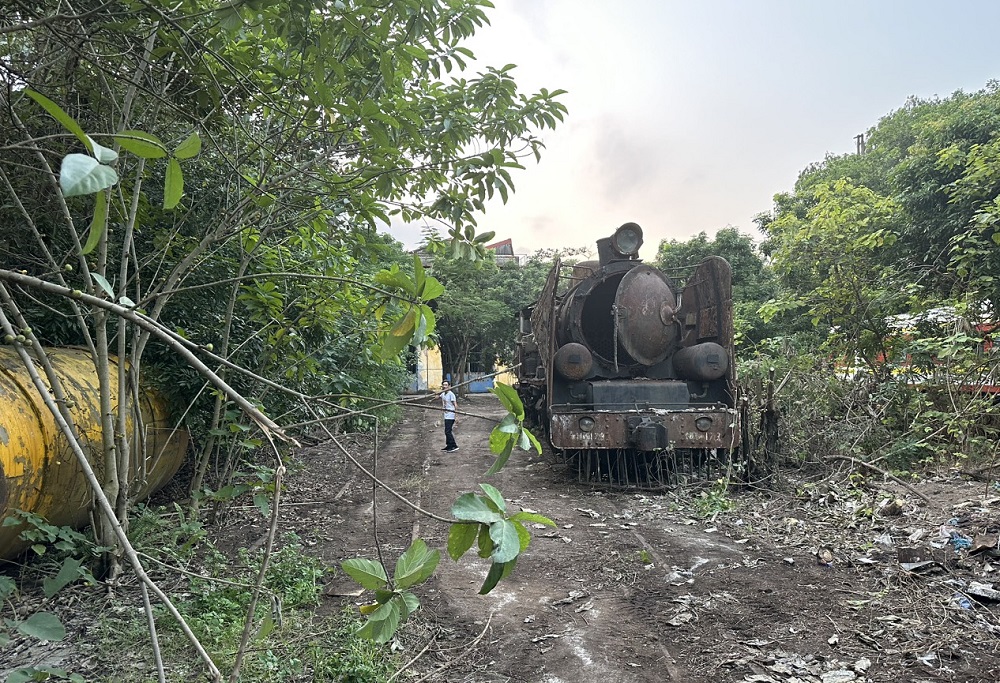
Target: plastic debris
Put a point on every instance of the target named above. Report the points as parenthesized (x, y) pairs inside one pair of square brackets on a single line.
[(681, 619), (983, 591), (962, 601), (960, 542)]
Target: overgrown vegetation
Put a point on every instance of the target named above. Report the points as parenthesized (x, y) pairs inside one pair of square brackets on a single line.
[(195, 189)]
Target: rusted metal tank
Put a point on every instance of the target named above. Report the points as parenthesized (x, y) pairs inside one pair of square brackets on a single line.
[(39, 472)]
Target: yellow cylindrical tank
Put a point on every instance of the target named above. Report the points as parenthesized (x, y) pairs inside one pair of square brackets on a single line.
[(39, 472)]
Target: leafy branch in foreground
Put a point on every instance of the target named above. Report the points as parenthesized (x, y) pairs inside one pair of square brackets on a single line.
[(480, 519), (500, 538), (393, 602)]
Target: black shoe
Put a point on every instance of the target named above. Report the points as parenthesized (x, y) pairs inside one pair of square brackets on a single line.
[(451, 450), (445, 448)]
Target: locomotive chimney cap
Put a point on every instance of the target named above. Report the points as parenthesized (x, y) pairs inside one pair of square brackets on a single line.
[(627, 240)]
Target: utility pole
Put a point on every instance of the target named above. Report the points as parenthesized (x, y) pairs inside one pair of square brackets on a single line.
[(859, 141)]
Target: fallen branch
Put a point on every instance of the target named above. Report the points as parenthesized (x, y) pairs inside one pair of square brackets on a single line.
[(447, 664), (887, 475)]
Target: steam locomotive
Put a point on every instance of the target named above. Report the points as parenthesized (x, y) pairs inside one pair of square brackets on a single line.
[(630, 375)]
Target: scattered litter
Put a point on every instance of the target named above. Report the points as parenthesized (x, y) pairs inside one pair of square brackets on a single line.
[(984, 542), (681, 619), (892, 507), (573, 595), (915, 559), (960, 542), (547, 636), (585, 607), (833, 640), (984, 591), (529, 619), (824, 556), (789, 560), (593, 514), (962, 601)]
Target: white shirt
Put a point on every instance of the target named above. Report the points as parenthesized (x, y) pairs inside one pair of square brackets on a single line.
[(448, 403)]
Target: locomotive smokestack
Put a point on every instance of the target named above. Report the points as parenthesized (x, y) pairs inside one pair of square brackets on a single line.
[(622, 246)]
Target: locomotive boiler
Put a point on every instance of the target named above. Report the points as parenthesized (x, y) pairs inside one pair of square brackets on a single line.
[(631, 375)]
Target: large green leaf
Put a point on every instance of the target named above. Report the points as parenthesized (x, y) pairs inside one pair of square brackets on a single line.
[(508, 425), (472, 508), (398, 338), (523, 536), (67, 574), (500, 439), (383, 622), (173, 185), (432, 289), (83, 174), (493, 494), (141, 144), (62, 117), (410, 601), (189, 148), (484, 541), (506, 544), (460, 539), (509, 400), (102, 153), (419, 277), (415, 565), (504, 455), (496, 573), (396, 279), (369, 574), (42, 625), (532, 517), (98, 224)]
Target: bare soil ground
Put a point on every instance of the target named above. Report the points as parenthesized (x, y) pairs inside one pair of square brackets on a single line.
[(672, 587), (688, 585)]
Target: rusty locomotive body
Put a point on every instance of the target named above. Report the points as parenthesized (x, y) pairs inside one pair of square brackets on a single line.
[(631, 376)]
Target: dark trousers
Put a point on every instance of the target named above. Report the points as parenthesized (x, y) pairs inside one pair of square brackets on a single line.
[(449, 438)]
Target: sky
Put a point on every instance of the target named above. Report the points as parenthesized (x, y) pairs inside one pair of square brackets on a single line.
[(689, 116)]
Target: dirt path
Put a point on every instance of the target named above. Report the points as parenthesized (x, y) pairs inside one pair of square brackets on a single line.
[(634, 587)]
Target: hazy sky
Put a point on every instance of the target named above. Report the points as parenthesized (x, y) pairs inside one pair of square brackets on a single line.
[(689, 116)]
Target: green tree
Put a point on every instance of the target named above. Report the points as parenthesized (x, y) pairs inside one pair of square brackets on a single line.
[(198, 185), (753, 281), (831, 259), (478, 312)]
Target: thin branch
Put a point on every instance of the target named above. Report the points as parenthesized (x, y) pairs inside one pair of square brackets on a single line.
[(887, 475), (102, 500), (267, 425)]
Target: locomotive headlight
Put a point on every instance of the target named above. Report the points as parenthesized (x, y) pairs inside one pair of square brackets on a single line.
[(703, 423), (627, 240), (587, 424)]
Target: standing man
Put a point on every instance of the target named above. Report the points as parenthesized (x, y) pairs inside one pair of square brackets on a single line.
[(448, 403)]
